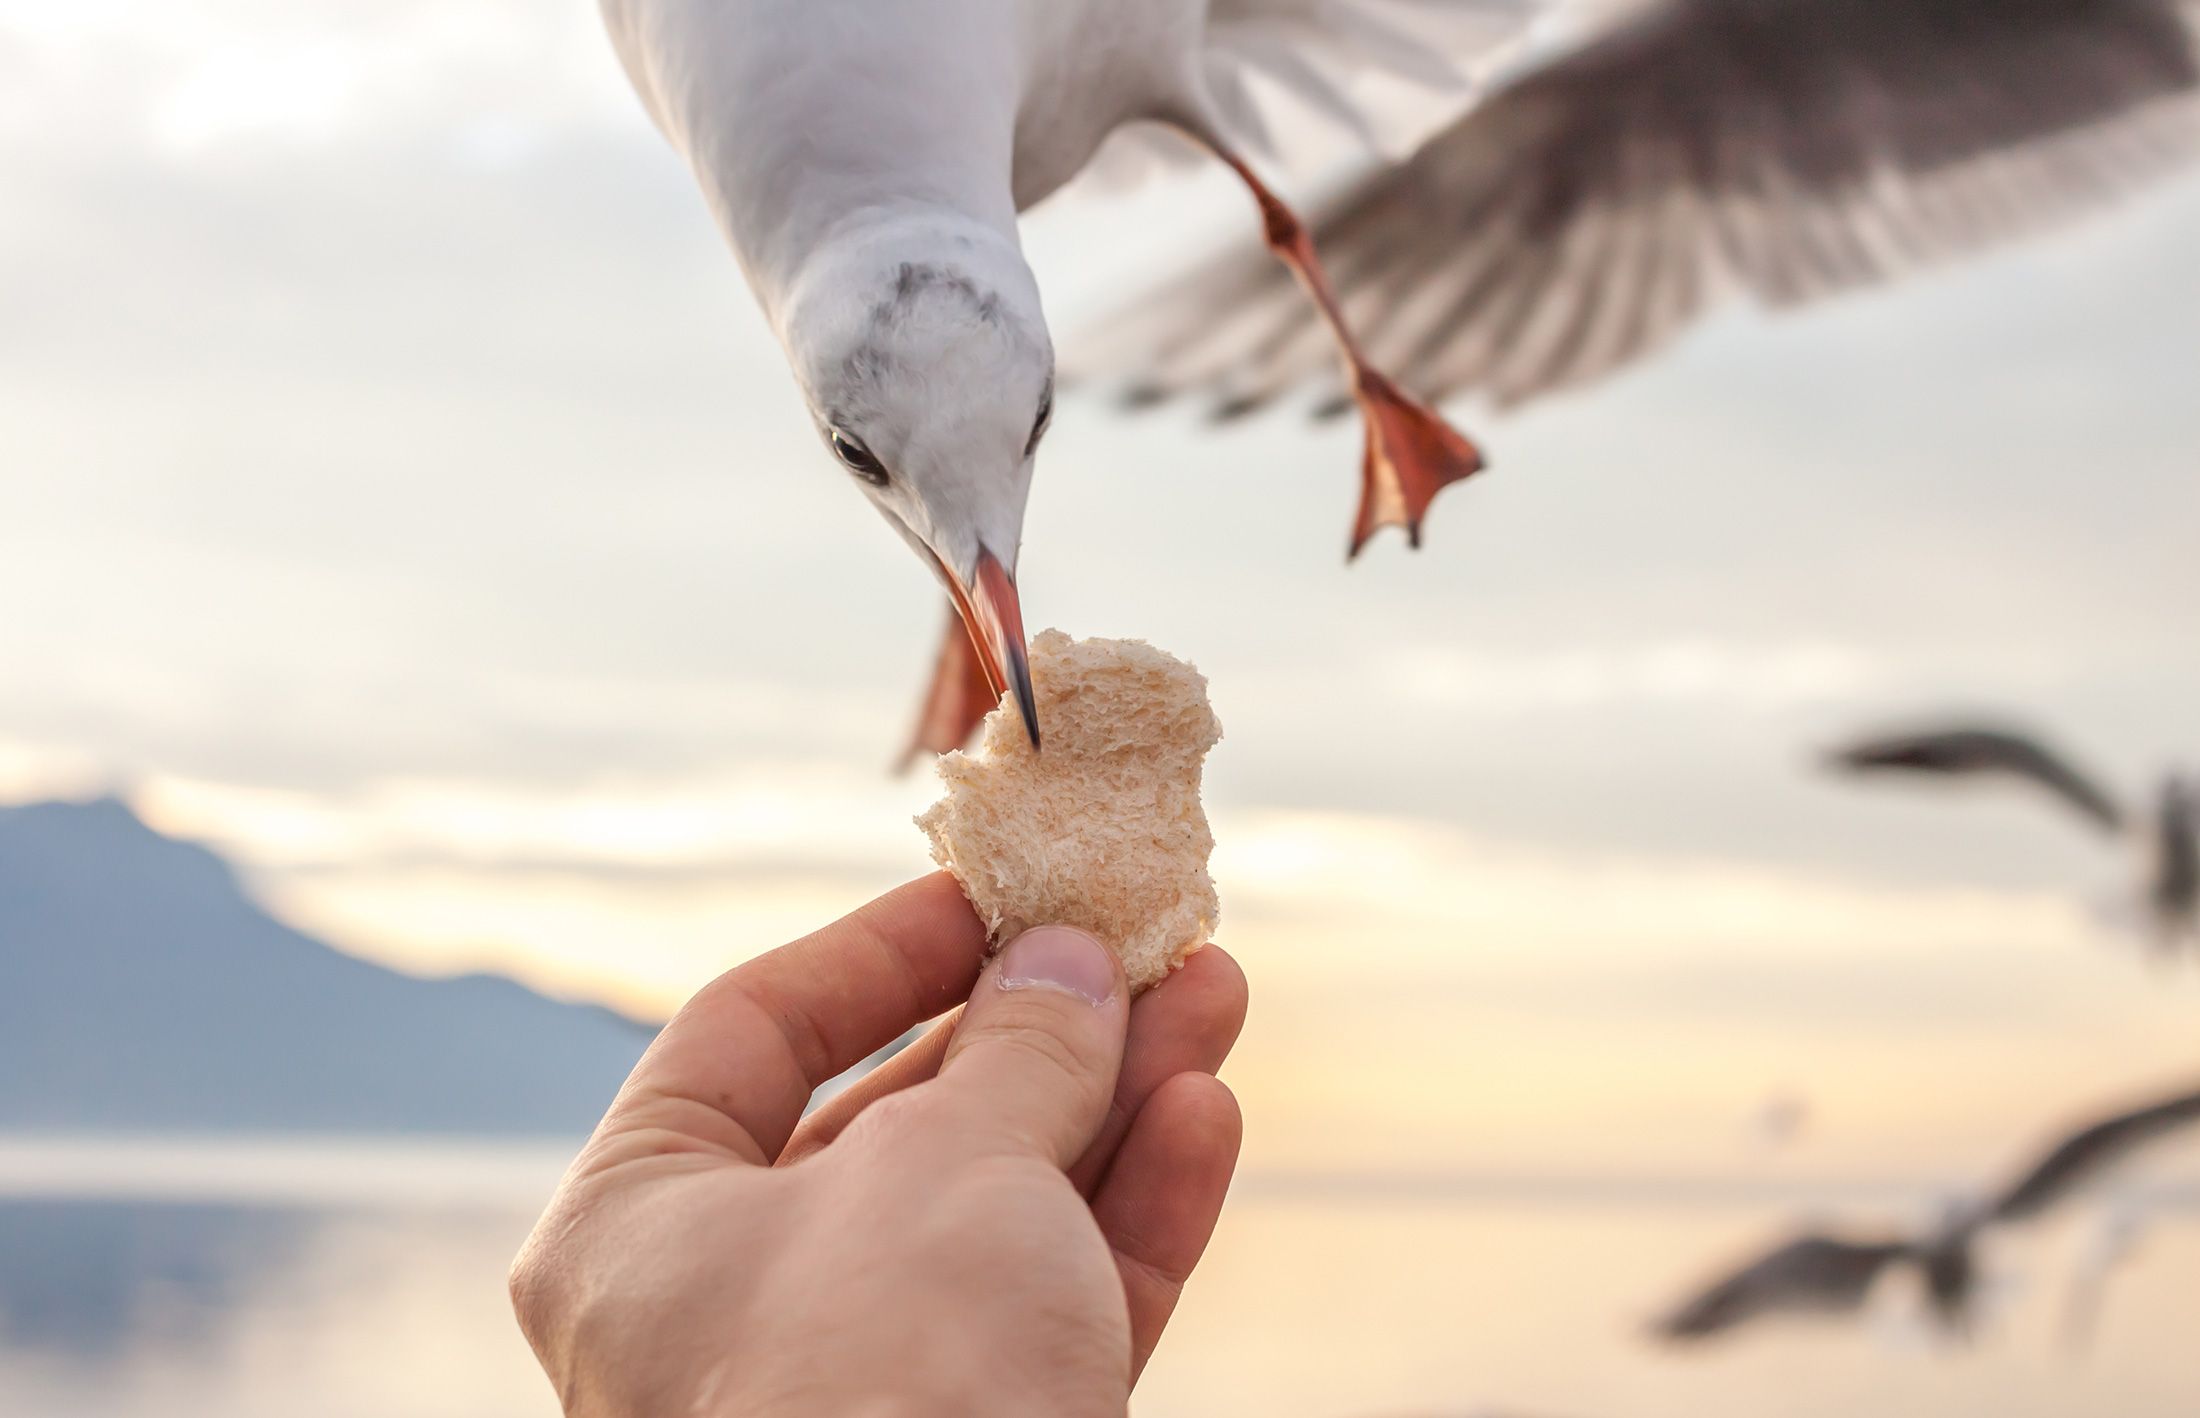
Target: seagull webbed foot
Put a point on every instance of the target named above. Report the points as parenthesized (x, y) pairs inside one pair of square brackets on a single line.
[(958, 699), (1412, 452)]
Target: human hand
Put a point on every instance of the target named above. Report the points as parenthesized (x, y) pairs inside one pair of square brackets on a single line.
[(997, 1220)]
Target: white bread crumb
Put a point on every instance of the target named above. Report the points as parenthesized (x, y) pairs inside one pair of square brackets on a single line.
[(1101, 830)]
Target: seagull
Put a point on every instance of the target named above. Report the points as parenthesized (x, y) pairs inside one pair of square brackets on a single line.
[(1824, 1273), (2170, 837), (868, 164)]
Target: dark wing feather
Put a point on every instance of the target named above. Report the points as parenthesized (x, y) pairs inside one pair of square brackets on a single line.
[(1789, 149), (2088, 1153), (1968, 750), (1808, 1274)]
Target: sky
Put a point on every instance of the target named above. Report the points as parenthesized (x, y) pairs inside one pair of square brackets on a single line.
[(399, 491)]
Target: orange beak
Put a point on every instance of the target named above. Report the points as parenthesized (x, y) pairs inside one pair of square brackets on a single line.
[(995, 620)]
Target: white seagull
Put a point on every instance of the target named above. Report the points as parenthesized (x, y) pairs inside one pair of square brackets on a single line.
[(868, 160)]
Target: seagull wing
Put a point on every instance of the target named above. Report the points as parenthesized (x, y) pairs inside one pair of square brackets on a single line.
[(1966, 749), (1317, 53), (2087, 1154), (1808, 1274), (1586, 212)]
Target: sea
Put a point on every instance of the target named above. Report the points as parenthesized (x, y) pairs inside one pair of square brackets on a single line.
[(364, 1278)]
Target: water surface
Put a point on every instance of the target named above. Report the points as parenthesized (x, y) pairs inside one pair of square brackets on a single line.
[(339, 1278)]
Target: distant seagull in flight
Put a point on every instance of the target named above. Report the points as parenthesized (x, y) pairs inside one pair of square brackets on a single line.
[(2169, 837), (1827, 1274), (868, 162)]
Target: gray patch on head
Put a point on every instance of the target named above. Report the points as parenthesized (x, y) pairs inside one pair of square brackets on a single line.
[(914, 278), (874, 359)]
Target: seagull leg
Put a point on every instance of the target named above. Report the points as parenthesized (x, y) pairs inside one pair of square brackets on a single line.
[(1412, 453), (960, 696)]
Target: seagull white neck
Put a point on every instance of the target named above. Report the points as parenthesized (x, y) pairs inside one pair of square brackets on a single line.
[(808, 122)]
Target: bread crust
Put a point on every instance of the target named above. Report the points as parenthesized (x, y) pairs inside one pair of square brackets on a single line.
[(1103, 828)]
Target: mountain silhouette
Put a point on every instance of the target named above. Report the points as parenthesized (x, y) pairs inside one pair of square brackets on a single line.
[(141, 988)]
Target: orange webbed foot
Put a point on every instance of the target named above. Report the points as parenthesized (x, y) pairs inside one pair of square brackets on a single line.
[(957, 700), (1413, 453)]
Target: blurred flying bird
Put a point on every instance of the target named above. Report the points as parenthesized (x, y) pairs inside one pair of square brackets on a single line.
[(2169, 839), (1818, 1273), (868, 164)]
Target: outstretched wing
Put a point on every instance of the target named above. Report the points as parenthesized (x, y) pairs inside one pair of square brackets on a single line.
[(1588, 211), (1811, 1274), (2087, 1154), (1969, 749)]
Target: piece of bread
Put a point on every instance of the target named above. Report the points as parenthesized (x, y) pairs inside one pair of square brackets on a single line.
[(1102, 828)]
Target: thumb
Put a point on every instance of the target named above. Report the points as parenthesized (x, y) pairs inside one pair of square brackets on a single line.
[(1035, 1056)]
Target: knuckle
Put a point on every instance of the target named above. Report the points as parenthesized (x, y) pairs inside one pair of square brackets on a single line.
[(888, 1122), (1034, 1044), (531, 1283), (540, 1280)]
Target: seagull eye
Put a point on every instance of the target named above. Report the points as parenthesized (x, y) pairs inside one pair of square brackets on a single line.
[(1039, 425), (858, 458)]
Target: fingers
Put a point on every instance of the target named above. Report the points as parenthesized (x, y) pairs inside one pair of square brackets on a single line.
[(750, 1047), (1161, 1199), (1034, 1059), (907, 1069), (1185, 1024)]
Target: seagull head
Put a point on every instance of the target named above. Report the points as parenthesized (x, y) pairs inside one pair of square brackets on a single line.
[(925, 360)]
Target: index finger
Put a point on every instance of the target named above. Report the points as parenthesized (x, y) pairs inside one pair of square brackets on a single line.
[(755, 1043)]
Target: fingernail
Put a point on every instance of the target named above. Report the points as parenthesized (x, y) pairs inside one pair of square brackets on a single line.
[(1059, 958)]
